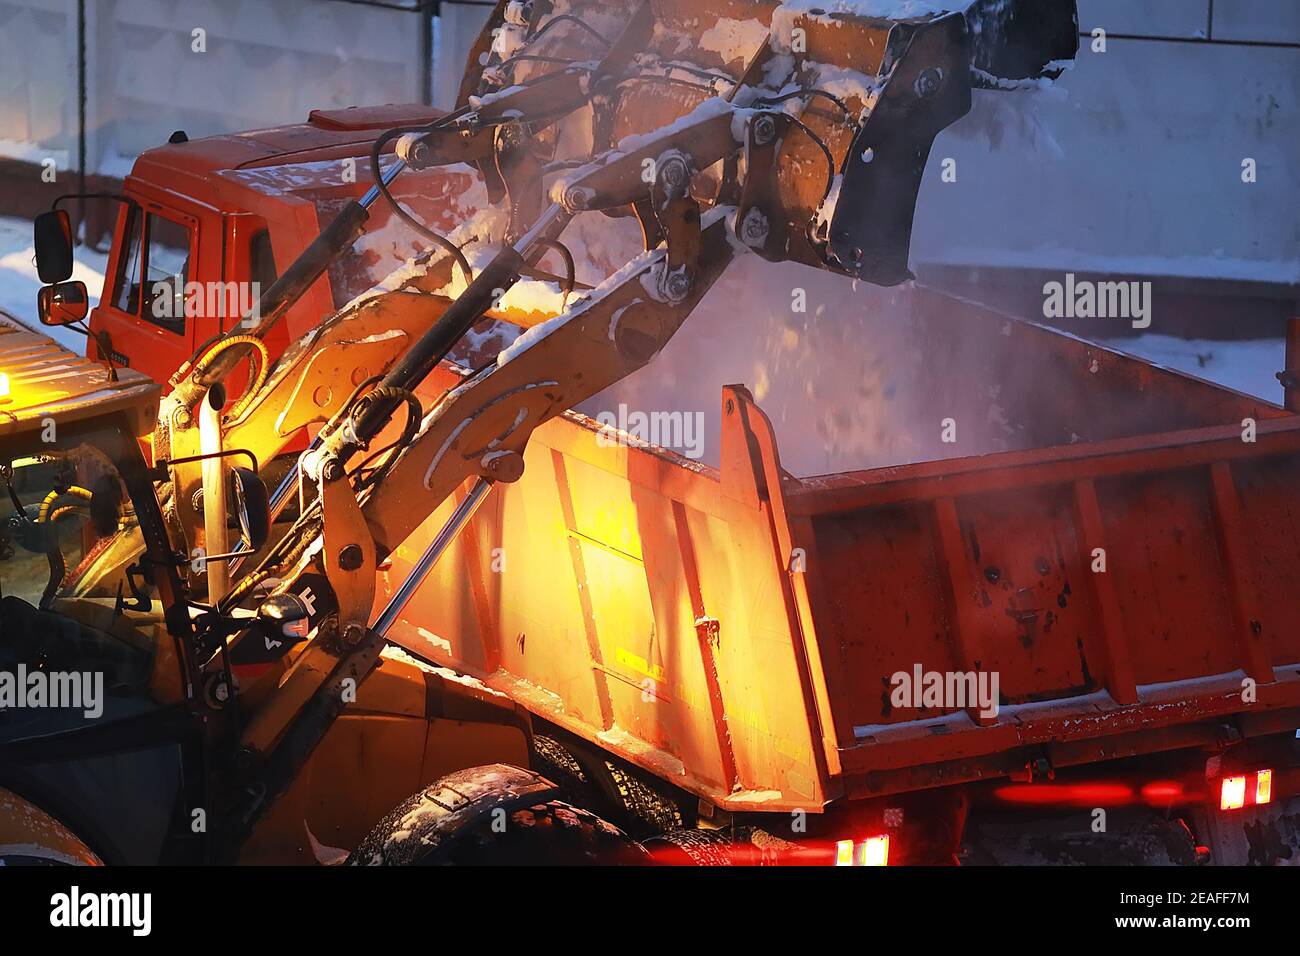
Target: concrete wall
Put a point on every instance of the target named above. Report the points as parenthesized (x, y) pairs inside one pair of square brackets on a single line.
[(1132, 162), (263, 63)]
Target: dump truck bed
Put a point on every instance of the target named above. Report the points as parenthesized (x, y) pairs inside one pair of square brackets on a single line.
[(736, 629)]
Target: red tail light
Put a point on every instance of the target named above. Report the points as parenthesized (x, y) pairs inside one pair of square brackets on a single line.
[(1251, 789), (873, 851), (1232, 793)]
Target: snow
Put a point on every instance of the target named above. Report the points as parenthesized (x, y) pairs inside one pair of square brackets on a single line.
[(843, 82), (325, 855), (837, 381), (19, 282), (734, 39), (394, 653), (755, 796)]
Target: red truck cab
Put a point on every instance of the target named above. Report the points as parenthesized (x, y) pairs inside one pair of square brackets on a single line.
[(211, 222)]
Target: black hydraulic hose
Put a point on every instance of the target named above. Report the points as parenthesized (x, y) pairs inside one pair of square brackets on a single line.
[(826, 152), (436, 238), (289, 287), (776, 100), (432, 347), (533, 58), (576, 21), (570, 270), (383, 393)]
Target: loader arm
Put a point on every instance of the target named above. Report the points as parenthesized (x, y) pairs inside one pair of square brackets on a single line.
[(760, 157)]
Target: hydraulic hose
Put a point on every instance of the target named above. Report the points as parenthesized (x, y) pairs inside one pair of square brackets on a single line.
[(74, 491), (263, 366), (436, 238)]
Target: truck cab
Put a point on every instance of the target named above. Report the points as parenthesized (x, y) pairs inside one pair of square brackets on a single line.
[(205, 226)]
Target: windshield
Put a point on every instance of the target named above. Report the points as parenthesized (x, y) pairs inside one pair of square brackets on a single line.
[(63, 510), (75, 608)]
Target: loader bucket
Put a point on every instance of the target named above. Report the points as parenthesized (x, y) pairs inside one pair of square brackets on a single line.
[(1012, 41), (925, 77), (903, 69)]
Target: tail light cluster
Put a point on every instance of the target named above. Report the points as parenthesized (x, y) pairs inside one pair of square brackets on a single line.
[(873, 851), (1245, 790)]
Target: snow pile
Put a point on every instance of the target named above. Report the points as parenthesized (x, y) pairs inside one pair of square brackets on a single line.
[(394, 653)]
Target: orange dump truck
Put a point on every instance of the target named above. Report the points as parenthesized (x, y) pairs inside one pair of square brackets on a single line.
[(1086, 604), (759, 649)]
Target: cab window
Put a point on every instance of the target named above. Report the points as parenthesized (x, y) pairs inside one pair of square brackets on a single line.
[(152, 274)]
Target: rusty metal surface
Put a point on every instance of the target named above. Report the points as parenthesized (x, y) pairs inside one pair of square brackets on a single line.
[(657, 606)]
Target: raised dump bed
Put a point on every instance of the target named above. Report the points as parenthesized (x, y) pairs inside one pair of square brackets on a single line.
[(735, 629)]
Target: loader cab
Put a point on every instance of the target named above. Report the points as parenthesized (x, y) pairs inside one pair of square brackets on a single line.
[(82, 540), (66, 542), (90, 604)]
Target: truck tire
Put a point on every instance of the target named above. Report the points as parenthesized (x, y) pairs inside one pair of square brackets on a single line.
[(697, 848), (496, 815), (551, 833), (587, 778)]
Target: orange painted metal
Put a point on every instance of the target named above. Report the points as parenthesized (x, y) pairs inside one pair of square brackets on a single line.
[(735, 630), (289, 182)]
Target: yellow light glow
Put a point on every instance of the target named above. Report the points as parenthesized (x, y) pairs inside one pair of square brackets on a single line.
[(1264, 787), (4, 386), (844, 853), (875, 851), (1232, 796)]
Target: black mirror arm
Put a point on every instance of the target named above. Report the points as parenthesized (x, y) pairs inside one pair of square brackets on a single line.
[(116, 197), (103, 341), (159, 471)]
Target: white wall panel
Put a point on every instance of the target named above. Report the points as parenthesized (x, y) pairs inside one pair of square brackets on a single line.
[(1136, 155), (267, 62)]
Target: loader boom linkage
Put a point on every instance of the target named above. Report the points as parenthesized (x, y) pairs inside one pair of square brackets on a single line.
[(714, 160)]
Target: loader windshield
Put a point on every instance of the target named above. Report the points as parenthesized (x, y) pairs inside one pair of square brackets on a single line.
[(69, 527), (83, 634)]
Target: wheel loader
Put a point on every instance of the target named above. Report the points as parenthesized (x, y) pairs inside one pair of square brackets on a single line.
[(679, 671)]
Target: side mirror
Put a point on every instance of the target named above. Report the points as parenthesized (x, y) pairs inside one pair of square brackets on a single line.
[(62, 304), (253, 505), (52, 232)]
